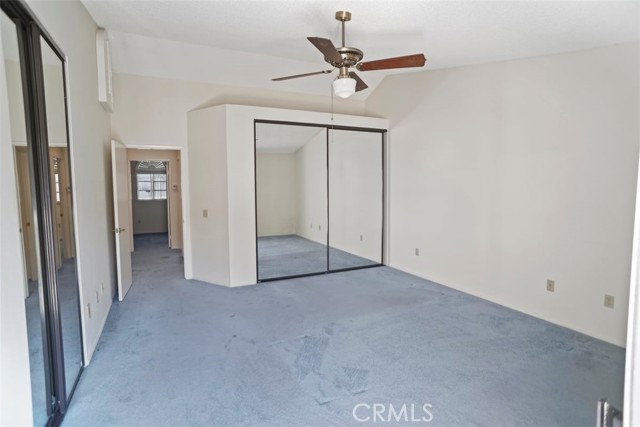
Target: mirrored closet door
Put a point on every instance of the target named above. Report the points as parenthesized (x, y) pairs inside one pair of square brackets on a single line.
[(39, 360), (62, 213), (319, 199), (291, 200), (34, 83), (355, 199)]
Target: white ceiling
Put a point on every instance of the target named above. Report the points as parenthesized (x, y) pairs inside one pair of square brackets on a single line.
[(283, 139), (449, 33)]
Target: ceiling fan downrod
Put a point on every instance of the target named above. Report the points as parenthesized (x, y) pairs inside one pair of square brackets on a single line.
[(343, 16)]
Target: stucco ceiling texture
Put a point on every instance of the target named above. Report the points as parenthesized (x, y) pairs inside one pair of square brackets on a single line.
[(449, 33)]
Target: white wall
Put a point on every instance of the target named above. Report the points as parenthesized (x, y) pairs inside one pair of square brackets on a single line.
[(208, 241), (311, 178), (355, 193), (509, 174), (15, 385), (276, 192)]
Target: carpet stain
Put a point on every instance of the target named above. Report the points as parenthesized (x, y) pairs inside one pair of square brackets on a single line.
[(355, 380), (310, 355)]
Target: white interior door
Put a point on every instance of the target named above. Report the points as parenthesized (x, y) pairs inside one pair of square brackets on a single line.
[(119, 166)]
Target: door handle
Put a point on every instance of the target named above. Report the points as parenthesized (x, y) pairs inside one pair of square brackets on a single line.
[(118, 230)]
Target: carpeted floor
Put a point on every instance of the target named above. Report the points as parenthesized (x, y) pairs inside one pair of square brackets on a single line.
[(291, 255), (304, 352), (70, 321)]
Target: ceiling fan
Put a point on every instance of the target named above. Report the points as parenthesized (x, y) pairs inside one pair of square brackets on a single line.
[(344, 58)]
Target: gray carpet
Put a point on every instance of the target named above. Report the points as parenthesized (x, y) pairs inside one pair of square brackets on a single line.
[(292, 255), (304, 352), (70, 320)]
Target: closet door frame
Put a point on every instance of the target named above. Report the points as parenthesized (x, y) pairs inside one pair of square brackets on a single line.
[(30, 33), (328, 128)]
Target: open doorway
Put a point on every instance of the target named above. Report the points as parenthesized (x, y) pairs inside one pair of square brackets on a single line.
[(156, 199), (147, 195)]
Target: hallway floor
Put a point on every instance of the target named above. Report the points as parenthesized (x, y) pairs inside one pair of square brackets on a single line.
[(304, 352)]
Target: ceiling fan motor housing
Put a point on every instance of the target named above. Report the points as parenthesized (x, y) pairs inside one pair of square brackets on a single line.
[(350, 57)]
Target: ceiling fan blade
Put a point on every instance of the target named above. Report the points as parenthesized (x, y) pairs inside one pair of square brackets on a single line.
[(327, 48), (417, 60), (360, 85), (301, 75)]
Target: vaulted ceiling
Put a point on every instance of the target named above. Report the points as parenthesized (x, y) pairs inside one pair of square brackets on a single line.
[(248, 42)]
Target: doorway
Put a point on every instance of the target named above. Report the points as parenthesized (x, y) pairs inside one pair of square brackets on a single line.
[(156, 196), (148, 203)]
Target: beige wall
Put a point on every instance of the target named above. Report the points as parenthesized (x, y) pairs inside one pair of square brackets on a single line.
[(509, 174)]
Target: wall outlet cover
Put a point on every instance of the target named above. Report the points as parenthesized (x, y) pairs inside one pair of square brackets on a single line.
[(551, 285), (609, 301)]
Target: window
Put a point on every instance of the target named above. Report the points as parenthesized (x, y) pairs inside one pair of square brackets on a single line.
[(152, 186)]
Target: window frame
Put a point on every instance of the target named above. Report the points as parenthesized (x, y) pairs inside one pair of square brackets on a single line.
[(153, 181)]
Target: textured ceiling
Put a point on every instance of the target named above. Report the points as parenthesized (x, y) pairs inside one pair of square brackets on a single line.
[(450, 33)]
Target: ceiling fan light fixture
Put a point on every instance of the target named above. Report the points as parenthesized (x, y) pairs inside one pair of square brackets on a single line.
[(344, 87)]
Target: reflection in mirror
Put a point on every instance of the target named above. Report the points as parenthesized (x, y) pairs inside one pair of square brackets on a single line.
[(355, 199), (31, 252), (64, 242), (291, 200)]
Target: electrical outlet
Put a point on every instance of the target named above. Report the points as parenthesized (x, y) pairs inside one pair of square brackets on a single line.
[(417, 251), (319, 227), (361, 237), (609, 300), (97, 297), (89, 310), (551, 285), (205, 213)]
